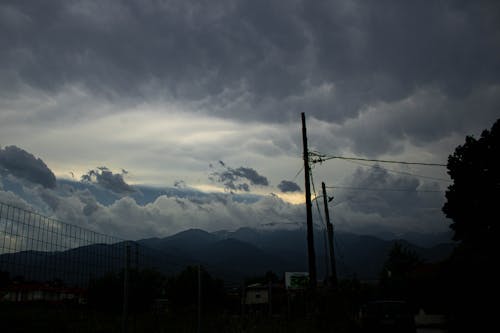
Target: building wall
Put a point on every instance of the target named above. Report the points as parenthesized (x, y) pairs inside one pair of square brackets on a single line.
[(257, 296)]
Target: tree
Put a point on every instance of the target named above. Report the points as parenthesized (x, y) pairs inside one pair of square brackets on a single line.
[(400, 262), (270, 276), (4, 279), (182, 290), (472, 199), (106, 292), (472, 204), (395, 278)]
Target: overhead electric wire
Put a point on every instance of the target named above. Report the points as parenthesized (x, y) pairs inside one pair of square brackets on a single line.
[(341, 187), (317, 157), (320, 158), (298, 173), (400, 172)]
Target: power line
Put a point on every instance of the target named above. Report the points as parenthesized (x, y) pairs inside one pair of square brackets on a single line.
[(400, 172), (320, 158), (298, 173), (341, 187)]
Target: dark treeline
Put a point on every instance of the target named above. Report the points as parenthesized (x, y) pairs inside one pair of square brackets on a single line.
[(157, 302)]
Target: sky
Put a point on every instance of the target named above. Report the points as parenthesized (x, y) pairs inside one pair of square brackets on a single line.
[(207, 96)]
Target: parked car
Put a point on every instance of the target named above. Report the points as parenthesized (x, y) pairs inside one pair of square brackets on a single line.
[(387, 316)]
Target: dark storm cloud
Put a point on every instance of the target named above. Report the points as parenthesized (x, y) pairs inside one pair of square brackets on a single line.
[(260, 60), (50, 199), (22, 164), (180, 184), (238, 179), (250, 174), (376, 191), (406, 44), (117, 48), (374, 199), (288, 186), (109, 180)]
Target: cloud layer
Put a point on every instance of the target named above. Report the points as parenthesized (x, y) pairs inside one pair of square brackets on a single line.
[(288, 186), (238, 179), (109, 180), (250, 59), (376, 198), (162, 88), (141, 211), (22, 164)]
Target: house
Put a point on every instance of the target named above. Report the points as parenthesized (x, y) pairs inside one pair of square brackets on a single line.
[(256, 294), (35, 292)]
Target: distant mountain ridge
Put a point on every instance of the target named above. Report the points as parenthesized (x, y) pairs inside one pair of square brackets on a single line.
[(235, 255), (254, 251)]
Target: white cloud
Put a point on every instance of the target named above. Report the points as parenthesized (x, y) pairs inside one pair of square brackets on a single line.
[(168, 215)]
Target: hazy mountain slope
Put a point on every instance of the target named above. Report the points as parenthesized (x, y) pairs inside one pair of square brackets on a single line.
[(229, 255)]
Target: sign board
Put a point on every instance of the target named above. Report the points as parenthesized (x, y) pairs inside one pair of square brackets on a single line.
[(297, 280)]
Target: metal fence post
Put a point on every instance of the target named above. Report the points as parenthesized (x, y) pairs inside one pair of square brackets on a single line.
[(126, 288), (199, 298)]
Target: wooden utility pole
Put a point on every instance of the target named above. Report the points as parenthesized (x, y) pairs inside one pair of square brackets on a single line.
[(310, 230), (329, 227)]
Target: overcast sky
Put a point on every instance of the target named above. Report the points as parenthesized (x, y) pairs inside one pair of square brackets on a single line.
[(208, 94)]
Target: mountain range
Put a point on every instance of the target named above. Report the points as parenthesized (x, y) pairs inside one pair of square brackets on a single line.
[(249, 251), (230, 255)]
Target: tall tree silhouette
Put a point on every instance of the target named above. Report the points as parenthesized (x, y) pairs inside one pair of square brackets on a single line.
[(473, 205), (472, 199)]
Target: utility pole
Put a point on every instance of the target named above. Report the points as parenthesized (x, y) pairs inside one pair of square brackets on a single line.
[(329, 227), (325, 248), (310, 231)]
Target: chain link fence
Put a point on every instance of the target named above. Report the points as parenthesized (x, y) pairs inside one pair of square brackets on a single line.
[(36, 248), (69, 278)]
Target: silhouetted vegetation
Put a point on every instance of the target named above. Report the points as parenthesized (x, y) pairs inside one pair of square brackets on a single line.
[(145, 286), (269, 277), (472, 199), (397, 280), (472, 204), (182, 291), (4, 279)]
